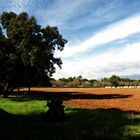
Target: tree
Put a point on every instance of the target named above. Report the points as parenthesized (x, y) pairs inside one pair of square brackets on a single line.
[(80, 78), (114, 80), (104, 79), (27, 51)]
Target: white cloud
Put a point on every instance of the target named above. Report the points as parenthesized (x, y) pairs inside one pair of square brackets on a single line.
[(119, 61), (98, 13), (71, 16), (16, 6), (19, 6), (61, 10), (113, 32)]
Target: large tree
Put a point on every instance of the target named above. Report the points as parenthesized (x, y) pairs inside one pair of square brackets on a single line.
[(27, 51)]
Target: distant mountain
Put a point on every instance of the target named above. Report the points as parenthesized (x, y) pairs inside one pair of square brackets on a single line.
[(134, 76)]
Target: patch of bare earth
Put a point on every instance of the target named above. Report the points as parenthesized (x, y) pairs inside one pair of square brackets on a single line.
[(93, 98)]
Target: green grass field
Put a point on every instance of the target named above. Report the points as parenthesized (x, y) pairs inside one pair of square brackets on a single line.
[(20, 119)]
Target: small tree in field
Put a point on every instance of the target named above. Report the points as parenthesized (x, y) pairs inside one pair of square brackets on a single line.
[(27, 51)]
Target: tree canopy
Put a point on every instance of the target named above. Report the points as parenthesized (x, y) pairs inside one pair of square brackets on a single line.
[(114, 79), (27, 51)]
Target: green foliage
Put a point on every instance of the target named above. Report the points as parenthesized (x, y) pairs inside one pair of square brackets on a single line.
[(105, 79), (126, 80), (27, 51), (114, 80)]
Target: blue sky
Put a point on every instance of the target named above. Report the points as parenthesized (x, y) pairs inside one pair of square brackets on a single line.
[(103, 35)]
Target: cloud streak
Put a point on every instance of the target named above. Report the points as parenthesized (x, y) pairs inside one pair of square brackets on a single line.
[(16, 6), (113, 32), (61, 10), (84, 17)]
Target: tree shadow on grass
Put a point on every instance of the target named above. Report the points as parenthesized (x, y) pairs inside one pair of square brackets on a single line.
[(79, 124), (42, 95)]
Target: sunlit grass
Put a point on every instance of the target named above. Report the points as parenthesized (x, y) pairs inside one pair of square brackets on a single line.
[(23, 107)]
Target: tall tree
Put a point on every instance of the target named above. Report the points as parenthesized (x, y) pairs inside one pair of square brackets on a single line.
[(28, 51)]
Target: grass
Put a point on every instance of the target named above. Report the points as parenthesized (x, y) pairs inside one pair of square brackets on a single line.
[(23, 108), (22, 120)]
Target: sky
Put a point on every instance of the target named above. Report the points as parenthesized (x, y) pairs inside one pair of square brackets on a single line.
[(103, 35)]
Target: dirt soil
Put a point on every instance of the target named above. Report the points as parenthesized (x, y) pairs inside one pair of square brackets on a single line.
[(93, 98)]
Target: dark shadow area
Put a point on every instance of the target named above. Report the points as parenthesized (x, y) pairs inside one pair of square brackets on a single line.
[(42, 95), (78, 124)]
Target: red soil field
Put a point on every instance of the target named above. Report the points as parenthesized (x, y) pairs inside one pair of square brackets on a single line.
[(93, 98)]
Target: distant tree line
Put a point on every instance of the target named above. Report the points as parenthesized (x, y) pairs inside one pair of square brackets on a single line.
[(80, 82)]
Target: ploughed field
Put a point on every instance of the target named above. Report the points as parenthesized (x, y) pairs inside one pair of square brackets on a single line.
[(93, 98)]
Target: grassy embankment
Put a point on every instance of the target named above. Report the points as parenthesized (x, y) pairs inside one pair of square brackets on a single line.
[(20, 119)]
